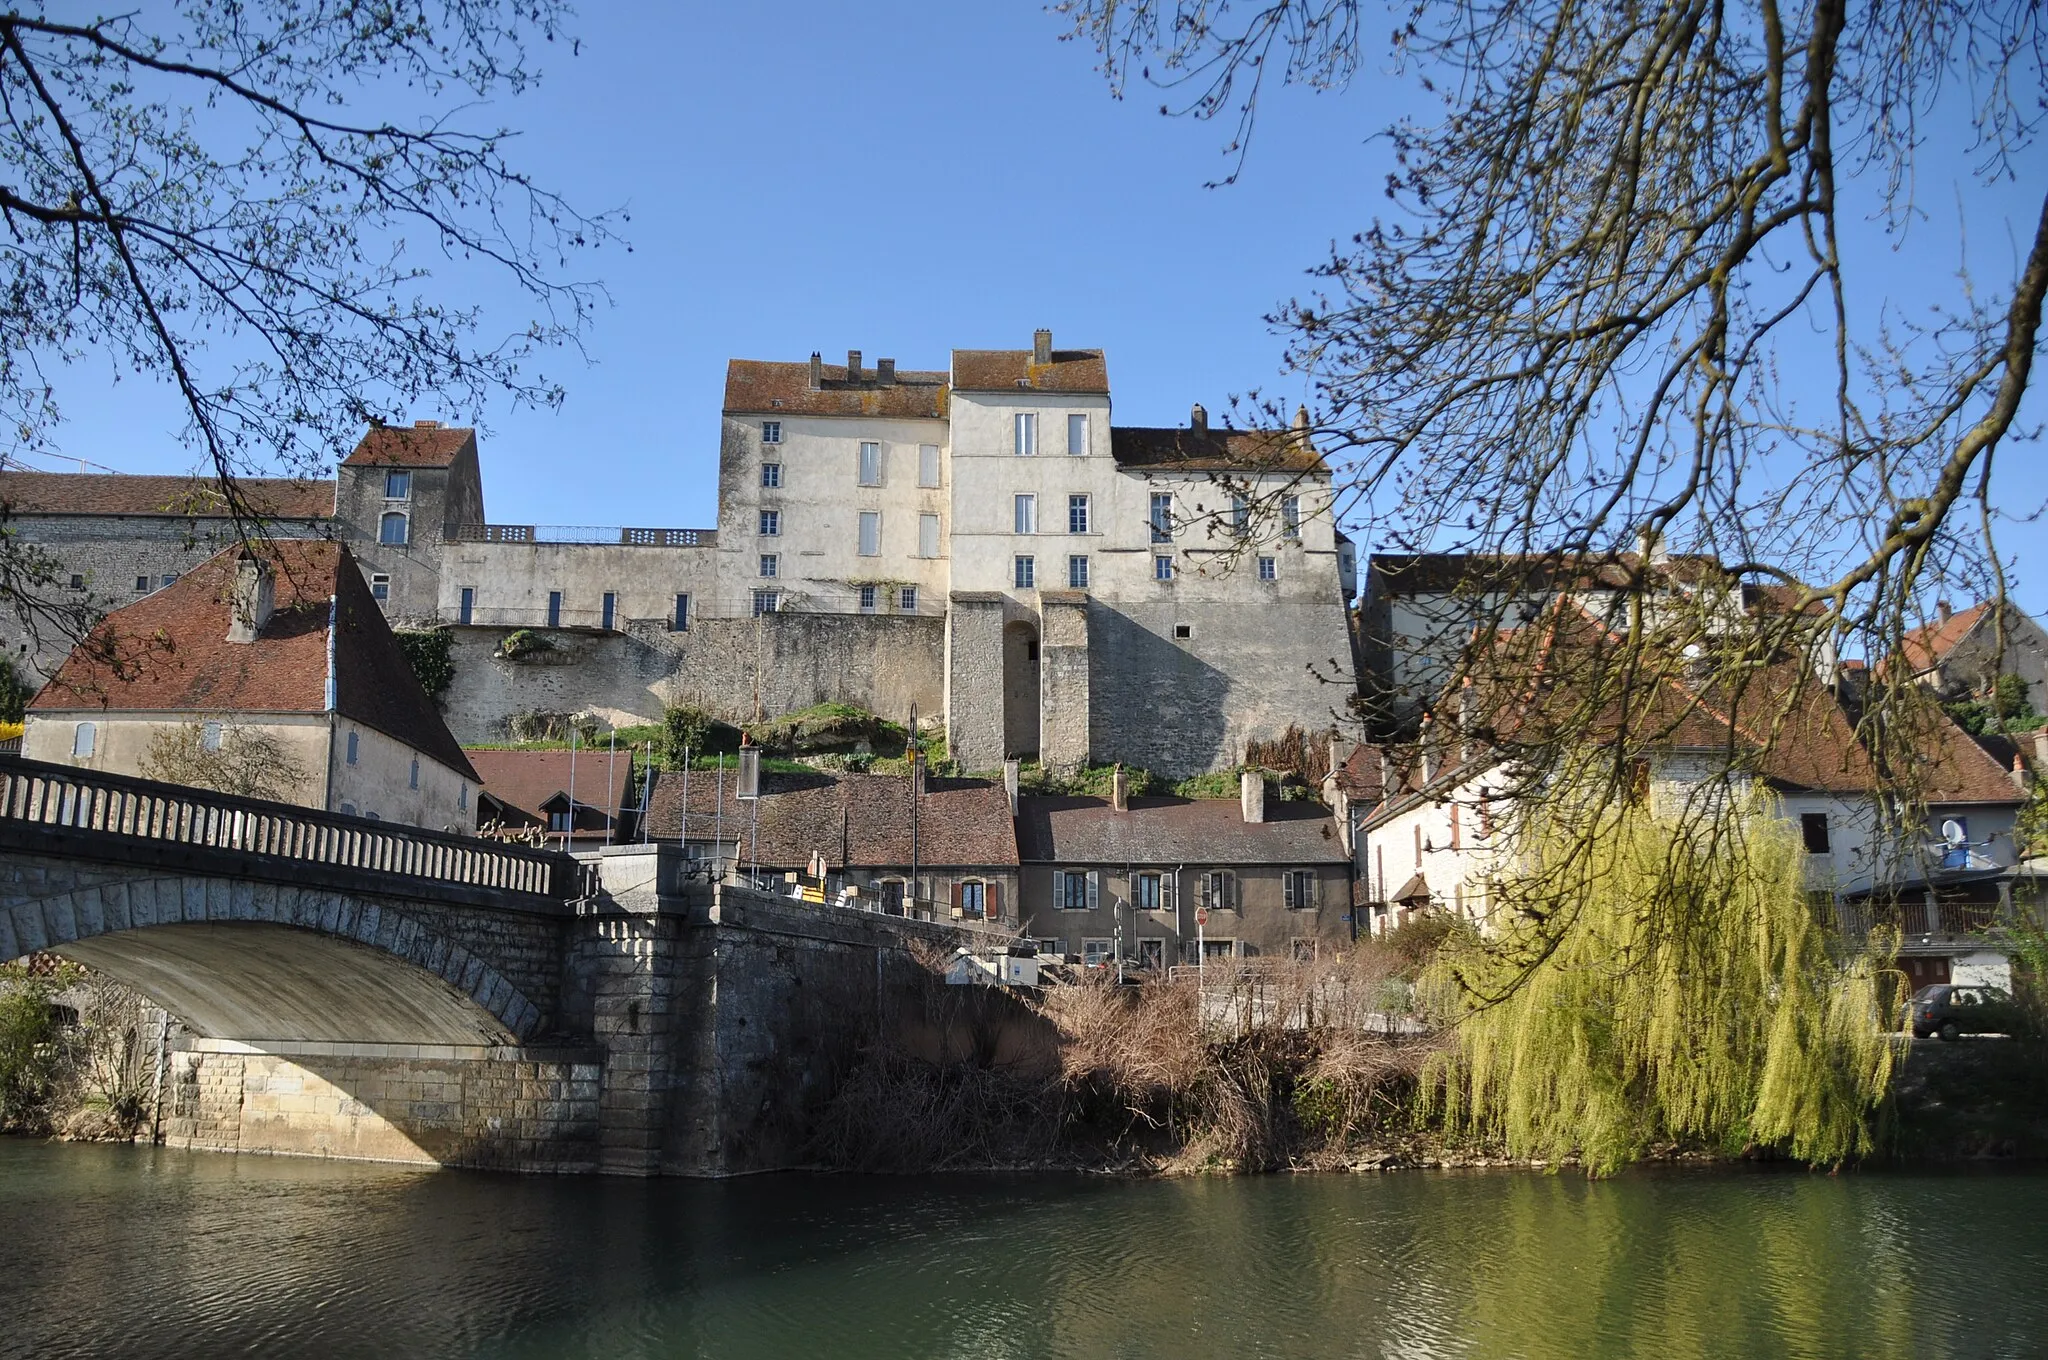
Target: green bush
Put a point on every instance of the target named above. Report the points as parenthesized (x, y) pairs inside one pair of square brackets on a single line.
[(15, 692), (429, 651), (684, 728), (29, 1058)]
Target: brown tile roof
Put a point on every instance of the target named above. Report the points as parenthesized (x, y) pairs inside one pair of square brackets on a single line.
[(410, 446), (770, 388), (1175, 831), (1928, 645), (527, 779), (862, 820), (1006, 370), (1952, 768), (95, 493), (169, 652), (1190, 450)]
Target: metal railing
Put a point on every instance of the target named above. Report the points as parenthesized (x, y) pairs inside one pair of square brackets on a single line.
[(1916, 921), (143, 810), (585, 533)]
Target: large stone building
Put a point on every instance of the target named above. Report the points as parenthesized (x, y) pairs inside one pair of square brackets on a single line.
[(979, 542)]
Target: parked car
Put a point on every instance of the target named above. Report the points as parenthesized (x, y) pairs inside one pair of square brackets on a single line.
[(1949, 1011)]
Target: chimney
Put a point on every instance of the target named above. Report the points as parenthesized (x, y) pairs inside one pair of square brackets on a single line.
[(1012, 777), (426, 424), (1387, 773), (253, 600), (1944, 609), (1340, 751), (1119, 790), (2020, 775), (853, 365), (885, 372), (1251, 794), (1198, 418), (1041, 346), (1650, 543), (2041, 748), (817, 371), (1301, 426)]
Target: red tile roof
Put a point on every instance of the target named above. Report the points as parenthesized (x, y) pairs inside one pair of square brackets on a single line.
[(1007, 370), (1189, 450), (862, 820), (1929, 645), (527, 779), (769, 388), (169, 652), (95, 493), (1175, 831), (410, 446)]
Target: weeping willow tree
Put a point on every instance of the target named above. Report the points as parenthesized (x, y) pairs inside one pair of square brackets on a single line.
[(1687, 993)]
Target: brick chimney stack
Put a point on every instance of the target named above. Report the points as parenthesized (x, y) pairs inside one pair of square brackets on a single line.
[(1041, 346), (1251, 795), (253, 599), (817, 371), (853, 365), (885, 372), (1198, 418), (1119, 790)]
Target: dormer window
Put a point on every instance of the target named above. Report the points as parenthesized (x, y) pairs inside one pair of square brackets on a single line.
[(398, 486)]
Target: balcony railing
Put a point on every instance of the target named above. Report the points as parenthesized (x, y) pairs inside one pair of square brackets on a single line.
[(135, 810), (586, 533), (1918, 923)]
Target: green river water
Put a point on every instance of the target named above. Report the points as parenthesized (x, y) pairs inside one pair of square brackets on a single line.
[(135, 1252)]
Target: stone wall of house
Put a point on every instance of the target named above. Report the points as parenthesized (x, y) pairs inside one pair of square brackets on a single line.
[(733, 668), (975, 690)]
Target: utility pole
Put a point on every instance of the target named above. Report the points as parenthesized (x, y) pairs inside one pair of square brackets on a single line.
[(916, 767)]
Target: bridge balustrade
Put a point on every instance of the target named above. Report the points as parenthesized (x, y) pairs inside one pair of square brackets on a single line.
[(142, 809)]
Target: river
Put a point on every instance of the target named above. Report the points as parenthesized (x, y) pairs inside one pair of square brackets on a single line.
[(136, 1252)]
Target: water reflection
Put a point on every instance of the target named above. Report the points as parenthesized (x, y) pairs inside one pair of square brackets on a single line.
[(131, 1252)]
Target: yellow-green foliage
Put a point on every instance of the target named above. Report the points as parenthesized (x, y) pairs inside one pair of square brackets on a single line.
[(1684, 991)]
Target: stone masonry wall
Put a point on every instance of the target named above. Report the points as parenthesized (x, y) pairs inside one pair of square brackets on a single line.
[(975, 709)]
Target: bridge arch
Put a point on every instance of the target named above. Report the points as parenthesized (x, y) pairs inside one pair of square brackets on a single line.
[(252, 960)]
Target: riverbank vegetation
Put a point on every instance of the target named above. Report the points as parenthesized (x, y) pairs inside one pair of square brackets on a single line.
[(78, 1054)]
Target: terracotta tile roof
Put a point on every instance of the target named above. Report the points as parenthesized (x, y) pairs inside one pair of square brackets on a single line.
[(1929, 645), (1175, 831), (770, 388), (1953, 768), (1007, 370), (95, 493), (410, 446), (858, 820), (169, 652), (1190, 450), (527, 779)]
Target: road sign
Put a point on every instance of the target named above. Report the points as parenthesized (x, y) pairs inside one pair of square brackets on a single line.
[(1201, 916)]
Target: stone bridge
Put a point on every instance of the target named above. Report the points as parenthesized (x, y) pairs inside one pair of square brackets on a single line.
[(351, 988)]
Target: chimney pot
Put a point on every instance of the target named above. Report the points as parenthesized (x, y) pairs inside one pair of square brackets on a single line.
[(817, 371), (1119, 790), (1251, 795), (1944, 609), (1041, 346), (253, 598), (426, 424), (853, 365), (1198, 418), (885, 372)]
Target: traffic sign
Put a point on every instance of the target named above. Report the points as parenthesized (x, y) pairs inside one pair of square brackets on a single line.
[(1201, 916)]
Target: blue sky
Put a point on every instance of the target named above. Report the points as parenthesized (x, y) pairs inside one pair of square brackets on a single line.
[(903, 178)]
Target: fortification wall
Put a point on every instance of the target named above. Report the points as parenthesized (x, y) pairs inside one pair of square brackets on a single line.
[(731, 667)]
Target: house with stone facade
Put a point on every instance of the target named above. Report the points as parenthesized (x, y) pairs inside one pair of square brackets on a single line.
[(1961, 654), (283, 639)]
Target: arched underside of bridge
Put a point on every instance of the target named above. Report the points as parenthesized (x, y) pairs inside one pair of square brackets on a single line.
[(254, 962)]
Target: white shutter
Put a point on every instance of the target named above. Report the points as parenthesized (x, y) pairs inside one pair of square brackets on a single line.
[(1287, 889), (1094, 888), (927, 464), (1059, 889), (1169, 884), (1207, 893)]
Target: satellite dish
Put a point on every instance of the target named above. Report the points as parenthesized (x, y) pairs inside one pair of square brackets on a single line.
[(1952, 832)]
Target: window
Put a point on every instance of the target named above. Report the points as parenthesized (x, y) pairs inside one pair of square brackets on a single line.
[(1054, 946), (771, 475), (77, 581), (1219, 949), (906, 599), (867, 599), (765, 602), (142, 583), (467, 613), (398, 486), (1096, 954), (554, 609), (462, 798), (391, 529), (972, 899), (413, 780), (1813, 829), (1026, 572), (771, 564), (558, 821), (1027, 433), (83, 738), (1152, 892), (1076, 890), (771, 432), (927, 535), (1269, 569), (1026, 507), (771, 524), (1182, 632), (1219, 890), (1152, 955), (1240, 516), (380, 585), (870, 533), (1077, 573), (679, 622), (611, 609), (169, 579), (1077, 436), (210, 735), (927, 464), (1077, 514), (870, 463), (1162, 567), (1162, 517), (1290, 517), (1298, 889), (354, 747)]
